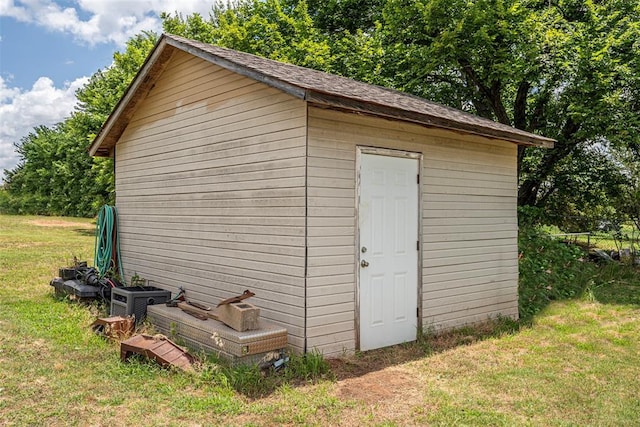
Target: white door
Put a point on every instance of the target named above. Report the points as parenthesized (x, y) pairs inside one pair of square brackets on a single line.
[(388, 255)]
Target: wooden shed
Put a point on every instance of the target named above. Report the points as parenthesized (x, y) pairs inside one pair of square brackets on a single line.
[(355, 213)]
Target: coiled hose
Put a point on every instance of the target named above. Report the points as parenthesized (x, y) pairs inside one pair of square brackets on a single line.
[(107, 250)]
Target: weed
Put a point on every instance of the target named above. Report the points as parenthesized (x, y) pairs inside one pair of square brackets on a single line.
[(308, 367), (246, 379), (423, 340)]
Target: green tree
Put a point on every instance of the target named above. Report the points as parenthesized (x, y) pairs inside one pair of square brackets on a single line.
[(268, 28), (56, 175), (566, 69), (627, 202)]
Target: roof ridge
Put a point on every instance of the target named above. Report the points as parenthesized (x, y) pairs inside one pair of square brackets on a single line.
[(267, 69), (314, 86)]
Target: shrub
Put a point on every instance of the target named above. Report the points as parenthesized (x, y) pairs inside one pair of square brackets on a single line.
[(549, 270)]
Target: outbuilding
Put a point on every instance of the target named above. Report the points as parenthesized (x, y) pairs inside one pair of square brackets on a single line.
[(358, 215)]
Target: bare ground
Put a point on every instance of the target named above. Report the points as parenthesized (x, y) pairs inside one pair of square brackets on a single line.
[(60, 223)]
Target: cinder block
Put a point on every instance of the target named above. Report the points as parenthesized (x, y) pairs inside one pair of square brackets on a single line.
[(240, 316)]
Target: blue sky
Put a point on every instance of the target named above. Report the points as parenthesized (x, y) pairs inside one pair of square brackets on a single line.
[(49, 48)]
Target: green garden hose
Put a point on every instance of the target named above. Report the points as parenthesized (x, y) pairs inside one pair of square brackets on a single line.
[(107, 242)]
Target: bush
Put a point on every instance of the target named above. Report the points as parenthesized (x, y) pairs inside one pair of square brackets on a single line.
[(549, 270)]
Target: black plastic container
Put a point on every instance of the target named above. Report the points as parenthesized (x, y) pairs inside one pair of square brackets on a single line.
[(134, 300)]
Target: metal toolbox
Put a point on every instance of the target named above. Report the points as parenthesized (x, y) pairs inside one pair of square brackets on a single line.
[(216, 337)]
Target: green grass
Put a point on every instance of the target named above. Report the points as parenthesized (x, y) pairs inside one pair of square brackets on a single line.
[(575, 362)]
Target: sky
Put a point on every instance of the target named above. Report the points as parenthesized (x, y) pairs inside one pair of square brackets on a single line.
[(50, 48)]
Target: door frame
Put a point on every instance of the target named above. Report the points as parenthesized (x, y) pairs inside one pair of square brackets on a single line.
[(360, 150)]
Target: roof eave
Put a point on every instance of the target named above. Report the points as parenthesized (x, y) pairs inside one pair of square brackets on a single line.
[(119, 118), (348, 104)]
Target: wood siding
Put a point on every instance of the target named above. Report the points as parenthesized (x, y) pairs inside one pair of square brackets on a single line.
[(210, 179), (469, 224)]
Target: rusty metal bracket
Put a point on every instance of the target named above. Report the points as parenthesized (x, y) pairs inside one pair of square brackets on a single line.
[(159, 349)]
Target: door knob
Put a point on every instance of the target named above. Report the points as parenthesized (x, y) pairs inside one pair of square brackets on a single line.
[(364, 263)]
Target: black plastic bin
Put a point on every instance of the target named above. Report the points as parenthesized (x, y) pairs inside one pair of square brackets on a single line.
[(134, 300)]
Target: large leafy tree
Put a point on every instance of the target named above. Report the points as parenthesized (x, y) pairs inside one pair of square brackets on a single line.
[(56, 175), (567, 69), (287, 31), (266, 28)]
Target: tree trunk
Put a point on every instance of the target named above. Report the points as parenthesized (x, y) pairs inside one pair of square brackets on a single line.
[(529, 189)]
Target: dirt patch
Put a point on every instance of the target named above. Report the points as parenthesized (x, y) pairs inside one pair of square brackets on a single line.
[(374, 387), (378, 360), (59, 223)]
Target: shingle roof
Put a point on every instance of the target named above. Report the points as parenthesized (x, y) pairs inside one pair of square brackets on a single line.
[(314, 86)]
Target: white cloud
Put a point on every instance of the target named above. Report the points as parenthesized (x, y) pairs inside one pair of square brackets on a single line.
[(90, 22), (21, 111), (106, 20)]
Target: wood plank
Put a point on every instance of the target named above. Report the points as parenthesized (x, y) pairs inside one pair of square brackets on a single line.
[(333, 251), (216, 148), (278, 165), (202, 245), (457, 212), (210, 187), (328, 153)]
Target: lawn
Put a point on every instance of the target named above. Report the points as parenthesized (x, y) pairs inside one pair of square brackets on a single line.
[(576, 363)]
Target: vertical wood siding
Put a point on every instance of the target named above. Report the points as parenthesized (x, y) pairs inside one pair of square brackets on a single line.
[(210, 179), (469, 224)]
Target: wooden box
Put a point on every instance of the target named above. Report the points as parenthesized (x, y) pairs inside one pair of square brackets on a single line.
[(240, 316)]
